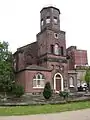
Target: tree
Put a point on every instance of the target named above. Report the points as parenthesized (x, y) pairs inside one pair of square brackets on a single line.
[(6, 68), (87, 77), (17, 90), (82, 77), (47, 93)]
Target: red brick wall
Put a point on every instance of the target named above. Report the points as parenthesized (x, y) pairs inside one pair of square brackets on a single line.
[(80, 57), (77, 57), (20, 78), (42, 43), (26, 55), (20, 62), (46, 39), (25, 78)]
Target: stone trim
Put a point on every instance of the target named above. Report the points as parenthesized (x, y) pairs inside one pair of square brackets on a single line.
[(62, 86), (53, 60)]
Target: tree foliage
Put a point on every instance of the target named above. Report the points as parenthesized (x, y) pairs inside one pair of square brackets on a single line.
[(47, 93), (6, 68), (64, 94), (17, 90), (87, 76)]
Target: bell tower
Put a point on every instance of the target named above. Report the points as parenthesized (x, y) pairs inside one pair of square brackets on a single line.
[(51, 40), (49, 18), (51, 44)]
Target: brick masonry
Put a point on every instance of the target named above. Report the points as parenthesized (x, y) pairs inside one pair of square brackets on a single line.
[(39, 54)]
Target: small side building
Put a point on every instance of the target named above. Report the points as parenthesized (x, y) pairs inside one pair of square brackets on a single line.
[(77, 65)]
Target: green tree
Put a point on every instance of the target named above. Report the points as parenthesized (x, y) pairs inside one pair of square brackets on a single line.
[(17, 90), (6, 68), (87, 78), (47, 93), (82, 77)]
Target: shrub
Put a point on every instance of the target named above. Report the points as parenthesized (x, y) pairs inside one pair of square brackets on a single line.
[(47, 93), (17, 90), (64, 94)]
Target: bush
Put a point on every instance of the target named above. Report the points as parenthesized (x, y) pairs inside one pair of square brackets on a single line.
[(64, 94), (47, 93), (17, 90)]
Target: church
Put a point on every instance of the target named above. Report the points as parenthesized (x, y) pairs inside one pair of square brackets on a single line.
[(48, 59)]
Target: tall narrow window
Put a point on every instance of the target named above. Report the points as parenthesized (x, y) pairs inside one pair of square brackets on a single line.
[(71, 82), (48, 19), (56, 49), (62, 51), (55, 20), (52, 49), (56, 35), (42, 22)]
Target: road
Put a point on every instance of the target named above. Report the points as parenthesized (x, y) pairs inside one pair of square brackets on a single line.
[(69, 115)]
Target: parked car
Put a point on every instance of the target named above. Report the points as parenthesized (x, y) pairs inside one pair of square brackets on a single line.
[(82, 87)]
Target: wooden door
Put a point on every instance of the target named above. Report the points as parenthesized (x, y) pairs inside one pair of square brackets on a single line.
[(58, 84)]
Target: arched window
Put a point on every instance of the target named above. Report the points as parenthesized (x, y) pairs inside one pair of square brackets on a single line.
[(56, 49), (38, 81), (58, 76), (71, 82), (52, 49), (48, 19), (62, 51), (55, 20), (42, 22)]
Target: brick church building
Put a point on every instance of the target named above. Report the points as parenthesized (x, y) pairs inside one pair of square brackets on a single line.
[(47, 59)]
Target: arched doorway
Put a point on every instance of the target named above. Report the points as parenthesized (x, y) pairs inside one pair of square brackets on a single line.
[(58, 82)]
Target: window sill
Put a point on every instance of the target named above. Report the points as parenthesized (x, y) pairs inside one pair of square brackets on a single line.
[(37, 87), (71, 86)]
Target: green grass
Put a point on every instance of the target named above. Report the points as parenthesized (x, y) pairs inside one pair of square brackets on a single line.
[(27, 110)]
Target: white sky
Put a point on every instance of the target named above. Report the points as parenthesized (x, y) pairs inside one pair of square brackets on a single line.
[(20, 21)]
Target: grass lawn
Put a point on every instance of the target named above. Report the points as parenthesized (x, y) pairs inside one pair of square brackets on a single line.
[(27, 110)]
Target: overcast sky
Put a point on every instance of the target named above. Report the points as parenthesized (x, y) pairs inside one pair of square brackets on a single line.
[(20, 21)]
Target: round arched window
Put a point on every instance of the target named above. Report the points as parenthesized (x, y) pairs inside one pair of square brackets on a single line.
[(38, 81), (56, 49), (71, 82)]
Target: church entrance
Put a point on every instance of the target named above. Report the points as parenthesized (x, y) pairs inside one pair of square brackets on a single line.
[(58, 82)]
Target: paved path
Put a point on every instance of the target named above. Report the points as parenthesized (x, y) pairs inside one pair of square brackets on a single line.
[(74, 115)]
